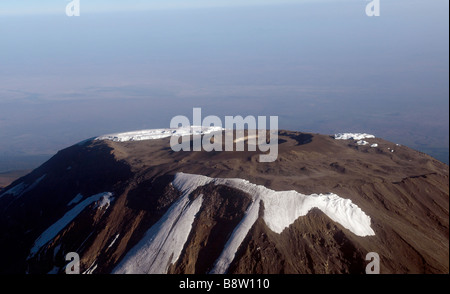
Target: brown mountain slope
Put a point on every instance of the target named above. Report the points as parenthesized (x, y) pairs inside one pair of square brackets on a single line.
[(404, 192)]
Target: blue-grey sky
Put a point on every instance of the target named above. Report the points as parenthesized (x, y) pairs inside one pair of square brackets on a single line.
[(27, 7), (321, 66)]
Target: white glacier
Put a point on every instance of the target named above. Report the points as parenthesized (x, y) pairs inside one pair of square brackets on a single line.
[(152, 134), (163, 242), (282, 208)]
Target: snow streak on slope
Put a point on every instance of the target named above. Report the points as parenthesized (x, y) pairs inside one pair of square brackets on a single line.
[(158, 133), (75, 200), (237, 237), (15, 191), (22, 188), (163, 243), (281, 210), (54, 229), (113, 241)]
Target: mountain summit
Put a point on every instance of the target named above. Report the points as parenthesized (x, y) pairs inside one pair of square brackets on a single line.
[(127, 203)]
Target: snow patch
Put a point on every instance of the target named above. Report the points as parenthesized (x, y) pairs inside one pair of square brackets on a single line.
[(245, 138), (362, 142), (105, 201), (153, 134), (374, 145), (353, 136), (75, 200), (54, 229)]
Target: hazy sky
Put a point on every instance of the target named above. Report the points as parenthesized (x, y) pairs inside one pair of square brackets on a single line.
[(321, 66), (11, 7)]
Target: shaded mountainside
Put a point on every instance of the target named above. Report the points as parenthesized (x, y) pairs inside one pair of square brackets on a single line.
[(64, 206)]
